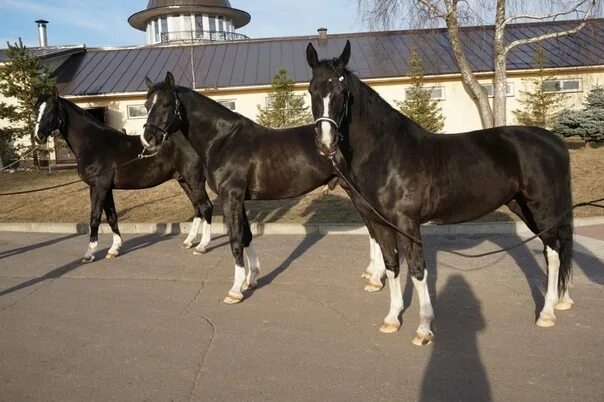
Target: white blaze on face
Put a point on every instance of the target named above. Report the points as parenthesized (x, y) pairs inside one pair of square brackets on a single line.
[(143, 140), (40, 115), (326, 127)]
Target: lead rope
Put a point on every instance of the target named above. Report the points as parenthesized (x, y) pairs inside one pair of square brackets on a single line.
[(593, 203)]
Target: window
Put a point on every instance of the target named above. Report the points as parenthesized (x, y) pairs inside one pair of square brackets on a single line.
[(509, 90), (212, 24), (164, 24), (137, 112), (199, 23), (187, 23), (436, 93), (156, 30), (228, 103), (568, 85), (220, 24)]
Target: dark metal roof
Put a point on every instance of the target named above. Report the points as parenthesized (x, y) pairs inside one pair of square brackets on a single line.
[(157, 8), (374, 55), (49, 52)]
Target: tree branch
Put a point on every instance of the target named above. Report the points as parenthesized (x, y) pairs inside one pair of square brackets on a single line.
[(553, 15), (433, 8)]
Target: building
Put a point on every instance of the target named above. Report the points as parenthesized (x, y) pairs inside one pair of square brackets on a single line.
[(237, 71)]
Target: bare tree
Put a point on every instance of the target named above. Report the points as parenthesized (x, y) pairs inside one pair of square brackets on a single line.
[(453, 14)]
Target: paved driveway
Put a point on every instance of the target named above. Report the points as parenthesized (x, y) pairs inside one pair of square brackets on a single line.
[(151, 324)]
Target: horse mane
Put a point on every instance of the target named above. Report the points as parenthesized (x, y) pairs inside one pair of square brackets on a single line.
[(66, 103), (371, 104), (214, 108)]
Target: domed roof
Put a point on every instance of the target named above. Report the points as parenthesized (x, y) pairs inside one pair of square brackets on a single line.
[(157, 8)]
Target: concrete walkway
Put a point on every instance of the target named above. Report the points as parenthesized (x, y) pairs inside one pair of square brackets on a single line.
[(151, 324)]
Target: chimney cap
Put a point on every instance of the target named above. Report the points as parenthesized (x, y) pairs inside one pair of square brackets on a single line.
[(41, 21), (322, 33)]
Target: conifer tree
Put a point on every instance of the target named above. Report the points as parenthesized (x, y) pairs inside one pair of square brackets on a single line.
[(418, 104), (285, 108), (540, 107), (24, 78), (587, 123)]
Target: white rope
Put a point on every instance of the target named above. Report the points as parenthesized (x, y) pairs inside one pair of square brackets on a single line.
[(20, 160)]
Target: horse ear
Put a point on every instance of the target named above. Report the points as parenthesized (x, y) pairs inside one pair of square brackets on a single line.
[(55, 91), (311, 56), (170, 80), (148, 82), (345, 56)]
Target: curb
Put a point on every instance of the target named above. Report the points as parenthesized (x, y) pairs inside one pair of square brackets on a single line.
[(284, 228)]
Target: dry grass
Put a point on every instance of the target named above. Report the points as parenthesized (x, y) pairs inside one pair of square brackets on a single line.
[(167, 203)]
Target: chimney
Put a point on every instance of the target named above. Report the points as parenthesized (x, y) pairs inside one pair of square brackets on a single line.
[(322, 33), (42, 32)]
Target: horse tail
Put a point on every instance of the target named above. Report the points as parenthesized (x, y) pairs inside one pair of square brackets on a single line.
[(565, 238)]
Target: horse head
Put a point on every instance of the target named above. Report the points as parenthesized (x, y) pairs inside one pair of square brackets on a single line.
[(48, 118), (329, 97), (164, 112)]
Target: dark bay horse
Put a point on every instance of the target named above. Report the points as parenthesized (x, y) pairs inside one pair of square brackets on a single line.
[(100, 149), (411, 176), (243, 161)]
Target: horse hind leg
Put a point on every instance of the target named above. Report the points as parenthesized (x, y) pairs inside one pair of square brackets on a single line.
[(389, 250), (206, 231), (232, 204), (96, 210), (111, 213), (251, 257)]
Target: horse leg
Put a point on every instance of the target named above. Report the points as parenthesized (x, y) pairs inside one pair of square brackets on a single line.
[(419, 275), (370, 267), (206, 210), (97, 197), (111, 213), (388, 251), (250, 255), (232, 204), (194, 229)]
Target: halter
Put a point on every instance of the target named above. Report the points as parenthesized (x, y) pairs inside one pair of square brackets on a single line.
[(337, 125), (176, 115)]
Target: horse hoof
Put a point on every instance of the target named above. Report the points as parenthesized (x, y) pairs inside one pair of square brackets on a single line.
[(564, 305), (87, 260), (111, 256), (546, 321), (187, 245), (366, 275), (389, 327), (199, 251), (233, 299), (423, 339), (248, 286), (373, 287)]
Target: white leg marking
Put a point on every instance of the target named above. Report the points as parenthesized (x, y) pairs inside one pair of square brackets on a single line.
[(391, 322), (379, 269), (206, 237), (370, 267), (424, 335), (89, 256), (40, 115), (235, 295), (547, 317), (188, 243), (565, 302), (114, 251), (253, 266), (326, 127)]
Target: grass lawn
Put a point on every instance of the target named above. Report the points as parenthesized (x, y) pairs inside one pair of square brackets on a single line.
[(167, 202)]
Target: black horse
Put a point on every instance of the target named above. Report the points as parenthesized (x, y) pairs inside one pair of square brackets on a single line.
[(100, 151), (243, 160), (411, 176)]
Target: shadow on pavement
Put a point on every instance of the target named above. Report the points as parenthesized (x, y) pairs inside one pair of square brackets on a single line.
[(455, 370), (25, 249)]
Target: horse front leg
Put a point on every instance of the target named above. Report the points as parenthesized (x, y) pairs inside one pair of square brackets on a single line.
[(419, 275), (206, 210), (232, 204), (111, 214), (194, 229), (388, 252), (97, 197)]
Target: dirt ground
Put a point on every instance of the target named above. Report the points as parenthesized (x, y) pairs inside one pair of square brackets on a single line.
[(167, 202)]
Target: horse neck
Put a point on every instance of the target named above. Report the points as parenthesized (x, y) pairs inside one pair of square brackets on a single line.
[(206, 120), (371, 115), (77, 127)]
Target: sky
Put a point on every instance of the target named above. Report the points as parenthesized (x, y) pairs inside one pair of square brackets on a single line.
[(105, 22)]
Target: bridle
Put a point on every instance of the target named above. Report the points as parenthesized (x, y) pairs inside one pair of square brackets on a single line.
[(337, 124), (176, 115)]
